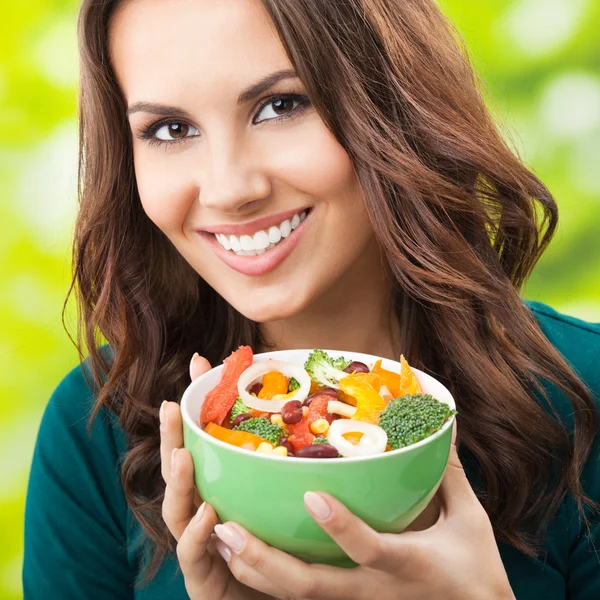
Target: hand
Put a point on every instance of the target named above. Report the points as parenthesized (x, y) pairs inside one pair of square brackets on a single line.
[(452, 556), (192, 522)]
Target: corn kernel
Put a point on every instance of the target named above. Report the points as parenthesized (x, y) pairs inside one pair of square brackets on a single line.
[(304, 411), (265, 448), (319, 426), (280, 451), (277, 420)]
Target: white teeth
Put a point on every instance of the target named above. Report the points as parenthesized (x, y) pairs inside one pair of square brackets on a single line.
[(286, 229), (261, 240), (274, 235), (247, 243), (224, 241)]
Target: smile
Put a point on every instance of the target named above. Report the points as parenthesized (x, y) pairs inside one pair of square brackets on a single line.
[(262, 240)]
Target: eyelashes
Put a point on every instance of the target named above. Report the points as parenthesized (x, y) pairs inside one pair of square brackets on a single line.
[(181, 129)]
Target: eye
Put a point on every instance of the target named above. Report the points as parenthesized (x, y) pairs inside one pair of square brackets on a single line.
[(280, 107), (169, 132)]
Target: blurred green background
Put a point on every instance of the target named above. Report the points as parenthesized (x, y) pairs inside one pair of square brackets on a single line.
[(540, 60)]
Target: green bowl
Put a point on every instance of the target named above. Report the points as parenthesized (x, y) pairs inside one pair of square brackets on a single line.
[(265, 493)]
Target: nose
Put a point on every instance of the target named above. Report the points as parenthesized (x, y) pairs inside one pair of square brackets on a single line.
[(232, 177)]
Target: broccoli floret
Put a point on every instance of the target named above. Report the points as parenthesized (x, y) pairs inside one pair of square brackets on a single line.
[(412, 418), (263, 428), (321, 440), (326, 370), (293, 385), (238, 408)]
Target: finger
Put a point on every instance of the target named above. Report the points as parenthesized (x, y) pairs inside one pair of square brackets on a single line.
[(198, 366), (359, 541), (198, 564), (171, 435), (178, 504), (248, 576), (456, 493), (298, 579)]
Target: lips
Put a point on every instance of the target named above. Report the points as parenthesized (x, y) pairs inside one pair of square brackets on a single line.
[(262, 263)]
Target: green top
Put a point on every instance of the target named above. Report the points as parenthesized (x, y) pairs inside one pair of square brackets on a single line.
[(81, 538)]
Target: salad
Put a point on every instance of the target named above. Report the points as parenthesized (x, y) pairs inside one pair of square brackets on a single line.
[(327, 408)]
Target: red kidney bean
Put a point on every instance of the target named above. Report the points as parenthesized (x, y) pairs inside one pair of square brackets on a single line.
[(357, 367), (255, 389), (240, 418), (283, 441), (327, 392), (332, 417), (318, 451), (291, 412)]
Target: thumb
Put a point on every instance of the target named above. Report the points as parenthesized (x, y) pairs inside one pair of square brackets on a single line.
[(198, 366)]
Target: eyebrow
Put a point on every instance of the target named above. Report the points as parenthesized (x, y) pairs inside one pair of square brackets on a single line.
[(247, 95)]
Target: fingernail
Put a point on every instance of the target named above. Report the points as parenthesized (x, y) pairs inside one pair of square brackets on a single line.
[(174, 461), (230, 537), (192, 364), (199, 514), (224, 551), (317, 505), (162, 415), (454, 432)]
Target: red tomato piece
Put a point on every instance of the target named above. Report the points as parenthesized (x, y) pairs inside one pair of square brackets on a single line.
[(300, 435), (318, 408), (220, 399)]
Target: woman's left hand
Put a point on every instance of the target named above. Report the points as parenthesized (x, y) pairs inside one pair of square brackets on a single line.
[(456, 558)]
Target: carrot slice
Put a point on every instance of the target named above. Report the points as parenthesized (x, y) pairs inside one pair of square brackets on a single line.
[(242, 439), (274, 383)]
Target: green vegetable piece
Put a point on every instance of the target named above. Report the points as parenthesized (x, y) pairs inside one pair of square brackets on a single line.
[(293, 385), (321, 440), (238, 408), (326, 370), (263, 428), (412, 418)]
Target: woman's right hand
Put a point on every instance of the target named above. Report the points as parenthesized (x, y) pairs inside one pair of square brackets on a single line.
[(206, 574)]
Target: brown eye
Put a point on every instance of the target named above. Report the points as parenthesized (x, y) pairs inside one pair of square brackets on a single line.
[(281, 107), (178, 130), (175, 131)]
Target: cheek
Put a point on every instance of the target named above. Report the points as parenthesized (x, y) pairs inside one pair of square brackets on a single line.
[(314, 162), (166, 193)]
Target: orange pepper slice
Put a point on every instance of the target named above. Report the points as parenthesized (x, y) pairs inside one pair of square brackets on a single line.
[(408, 381), (241, 439), (343, 397), (390, 379), (274, 383), (365, 388)]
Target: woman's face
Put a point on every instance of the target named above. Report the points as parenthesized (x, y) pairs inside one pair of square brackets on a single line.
[(232, 162)]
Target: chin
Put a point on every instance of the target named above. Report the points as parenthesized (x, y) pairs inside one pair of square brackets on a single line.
[(265, 310)]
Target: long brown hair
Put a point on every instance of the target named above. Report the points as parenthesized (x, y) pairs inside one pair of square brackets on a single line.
[(460, 218)]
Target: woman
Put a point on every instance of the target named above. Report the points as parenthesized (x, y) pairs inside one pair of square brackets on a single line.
[(353, 136)]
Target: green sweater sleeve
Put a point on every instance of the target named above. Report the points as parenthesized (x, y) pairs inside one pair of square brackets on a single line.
[(76, 513), (579, 342)]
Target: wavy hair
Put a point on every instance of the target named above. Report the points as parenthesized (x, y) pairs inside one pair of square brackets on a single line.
[(460, 219)]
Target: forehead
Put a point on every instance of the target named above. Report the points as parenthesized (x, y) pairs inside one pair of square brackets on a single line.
[(169, 47)]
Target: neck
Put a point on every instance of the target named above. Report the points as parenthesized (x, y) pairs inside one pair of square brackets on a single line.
[(354, 315)]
